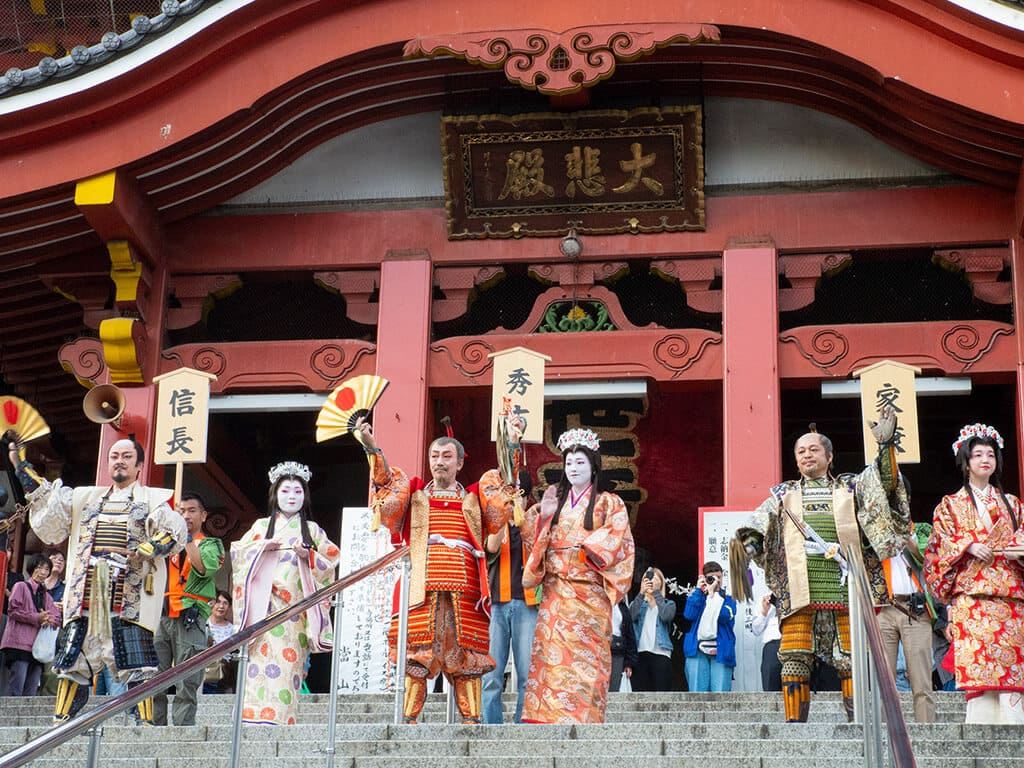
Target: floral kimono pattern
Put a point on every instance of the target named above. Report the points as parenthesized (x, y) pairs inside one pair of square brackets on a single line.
[(584, 575), (986, 602), (269, 575)]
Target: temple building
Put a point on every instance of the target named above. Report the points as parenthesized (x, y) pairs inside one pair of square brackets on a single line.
[(708, 215)]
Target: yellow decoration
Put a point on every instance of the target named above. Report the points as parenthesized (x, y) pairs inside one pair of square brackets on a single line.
[(38, 7), (98, 190), (117, 335), (124, 271)]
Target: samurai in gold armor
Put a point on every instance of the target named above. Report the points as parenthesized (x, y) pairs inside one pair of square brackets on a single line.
[(806, 570), (444, 525), (118, 538)]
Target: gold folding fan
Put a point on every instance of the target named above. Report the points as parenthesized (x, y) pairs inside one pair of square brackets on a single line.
[(22, 419), (351, 399)]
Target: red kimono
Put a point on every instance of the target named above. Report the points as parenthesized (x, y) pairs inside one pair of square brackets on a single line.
[(986, 602)]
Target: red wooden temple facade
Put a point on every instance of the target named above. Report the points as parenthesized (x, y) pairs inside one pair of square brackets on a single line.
[(132, 241)]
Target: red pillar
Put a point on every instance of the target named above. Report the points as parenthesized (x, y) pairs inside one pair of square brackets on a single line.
[(1017, 274), (750, 332), (403, 340)]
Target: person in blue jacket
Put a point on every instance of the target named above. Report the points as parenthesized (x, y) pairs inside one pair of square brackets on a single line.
[(710, 645)]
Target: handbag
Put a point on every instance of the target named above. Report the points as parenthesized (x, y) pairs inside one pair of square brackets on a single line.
[(44, 647), (214, 673)]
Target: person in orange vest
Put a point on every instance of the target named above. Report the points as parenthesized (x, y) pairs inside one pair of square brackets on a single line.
[(908, 619), (191, 587), (513, 614)]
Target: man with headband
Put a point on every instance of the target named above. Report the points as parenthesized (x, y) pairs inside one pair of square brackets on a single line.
[(118, 537)]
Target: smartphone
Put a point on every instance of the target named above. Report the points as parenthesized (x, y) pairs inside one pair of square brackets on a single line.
[(649, 574)]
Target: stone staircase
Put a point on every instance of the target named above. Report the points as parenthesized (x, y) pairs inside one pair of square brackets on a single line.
[(655, 730)]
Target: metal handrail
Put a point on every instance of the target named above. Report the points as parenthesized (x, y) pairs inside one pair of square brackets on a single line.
[(882, 683), (95, 717)]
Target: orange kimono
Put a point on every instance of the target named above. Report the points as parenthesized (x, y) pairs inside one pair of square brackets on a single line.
[(986, 602), (584, 575)]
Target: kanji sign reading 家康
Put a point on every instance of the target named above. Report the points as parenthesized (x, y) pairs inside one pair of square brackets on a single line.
[(519, 378), (595, 172), (183, 399), (890, 383)]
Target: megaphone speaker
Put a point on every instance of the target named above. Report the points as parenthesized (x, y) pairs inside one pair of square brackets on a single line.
[(104, 404)]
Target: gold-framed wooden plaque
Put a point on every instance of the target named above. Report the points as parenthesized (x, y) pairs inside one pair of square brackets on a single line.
[(595, 172)]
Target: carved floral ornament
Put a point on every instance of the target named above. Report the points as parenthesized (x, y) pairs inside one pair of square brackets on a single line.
[(560, 63)]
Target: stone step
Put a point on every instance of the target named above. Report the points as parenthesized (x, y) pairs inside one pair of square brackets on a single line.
[(663, 761)]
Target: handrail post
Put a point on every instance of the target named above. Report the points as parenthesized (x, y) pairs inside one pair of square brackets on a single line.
[(403, 636), (332, 701), (449, 702), (95, 734), (858, 654), (236, 730), (873, 752)]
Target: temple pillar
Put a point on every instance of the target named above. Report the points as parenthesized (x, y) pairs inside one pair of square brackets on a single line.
[(752, 421), (1017, 275), (403, 342)]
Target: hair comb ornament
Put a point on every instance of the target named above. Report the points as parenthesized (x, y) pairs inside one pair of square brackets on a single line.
[(977, 430), (289, 469), (585, 437)]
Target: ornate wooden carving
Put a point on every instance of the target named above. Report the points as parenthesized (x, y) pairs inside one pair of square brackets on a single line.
[(696, 277), (691, 355), (356, 286), (560, 63), (678, 351), (983, 267), (803, 271), (456, 283), (949, 347), (312, 365), (124, 349), (192, 291), (596, 172), (83, 359), (91, 291)]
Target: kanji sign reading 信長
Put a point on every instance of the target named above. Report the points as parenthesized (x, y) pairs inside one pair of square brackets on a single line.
[(595, 172), (183, 400)]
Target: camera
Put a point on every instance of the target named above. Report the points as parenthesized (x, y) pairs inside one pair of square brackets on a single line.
[(917, 603), (649, 574)]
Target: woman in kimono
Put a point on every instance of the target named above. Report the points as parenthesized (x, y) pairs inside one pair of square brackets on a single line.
[(973, 563), (283, 558), (582, 554)]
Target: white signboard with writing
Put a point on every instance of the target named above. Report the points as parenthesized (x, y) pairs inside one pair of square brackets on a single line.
[(717, 526), (363, 665)]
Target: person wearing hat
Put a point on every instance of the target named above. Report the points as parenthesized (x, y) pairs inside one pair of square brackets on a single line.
[(800, 536), (710, 645)]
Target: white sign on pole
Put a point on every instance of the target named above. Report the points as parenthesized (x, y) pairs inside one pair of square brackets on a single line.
[(717, 526), (363, 665)]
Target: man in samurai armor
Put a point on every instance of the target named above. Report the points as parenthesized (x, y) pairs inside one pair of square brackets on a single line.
[(118, 538), (800, 536), (445, 525)]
